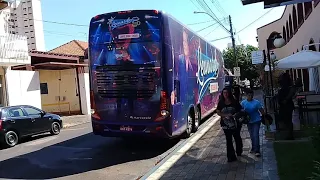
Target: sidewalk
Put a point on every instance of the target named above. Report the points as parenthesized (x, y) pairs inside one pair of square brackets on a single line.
[(207, 159), (70, 121)]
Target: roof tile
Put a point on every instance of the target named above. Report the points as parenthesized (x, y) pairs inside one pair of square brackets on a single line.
[(74, 47)]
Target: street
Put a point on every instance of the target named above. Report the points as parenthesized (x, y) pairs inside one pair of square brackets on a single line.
[(77, 153)]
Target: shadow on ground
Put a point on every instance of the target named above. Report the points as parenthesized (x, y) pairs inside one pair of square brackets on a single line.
[(78, 155)]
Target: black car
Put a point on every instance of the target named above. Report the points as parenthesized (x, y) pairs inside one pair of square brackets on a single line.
[(22, 121)]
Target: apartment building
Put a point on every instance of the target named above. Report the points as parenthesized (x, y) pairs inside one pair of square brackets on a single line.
[(24, 17)]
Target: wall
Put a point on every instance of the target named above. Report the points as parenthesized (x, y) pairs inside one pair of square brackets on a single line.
[(309, 29), (62, 89), (85, 92), (23, 88)]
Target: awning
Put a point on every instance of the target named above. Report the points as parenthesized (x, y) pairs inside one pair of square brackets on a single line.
[(58, 65), (300, 60)]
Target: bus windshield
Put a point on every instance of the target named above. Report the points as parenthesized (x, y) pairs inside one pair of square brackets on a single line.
[(125, 38)]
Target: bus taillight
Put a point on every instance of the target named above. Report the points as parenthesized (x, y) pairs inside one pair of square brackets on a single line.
[(163, 106), (163, 101), (93, 107)]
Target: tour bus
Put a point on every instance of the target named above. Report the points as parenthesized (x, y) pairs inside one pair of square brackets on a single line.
[(150, 76)]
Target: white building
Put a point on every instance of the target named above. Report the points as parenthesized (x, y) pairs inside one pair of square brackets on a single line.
[(24, 17), (17, 87)]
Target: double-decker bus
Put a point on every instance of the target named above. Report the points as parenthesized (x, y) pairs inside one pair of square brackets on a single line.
[(150, 75)]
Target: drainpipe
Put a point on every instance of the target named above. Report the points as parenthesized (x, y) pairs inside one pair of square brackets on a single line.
[(5, 86), (78, 83)]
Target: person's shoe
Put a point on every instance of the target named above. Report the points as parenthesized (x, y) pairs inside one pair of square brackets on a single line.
[(232, 159), (258, 154)]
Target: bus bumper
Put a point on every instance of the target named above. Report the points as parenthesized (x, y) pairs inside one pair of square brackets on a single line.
[(138, 130)]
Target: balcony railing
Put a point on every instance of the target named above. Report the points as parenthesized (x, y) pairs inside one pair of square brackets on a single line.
[(13, 49)]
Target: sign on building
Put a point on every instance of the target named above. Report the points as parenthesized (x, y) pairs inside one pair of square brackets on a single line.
[(236, 71), (257, 57)]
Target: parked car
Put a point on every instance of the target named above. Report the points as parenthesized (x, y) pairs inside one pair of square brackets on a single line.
[(17, 122)]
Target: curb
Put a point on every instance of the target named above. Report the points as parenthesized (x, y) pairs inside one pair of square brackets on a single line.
[(69, 125), (159, 170)]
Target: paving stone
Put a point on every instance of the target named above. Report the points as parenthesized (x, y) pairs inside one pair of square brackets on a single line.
[(207, 160)]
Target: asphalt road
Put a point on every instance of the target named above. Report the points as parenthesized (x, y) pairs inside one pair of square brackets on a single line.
[(78, 154)]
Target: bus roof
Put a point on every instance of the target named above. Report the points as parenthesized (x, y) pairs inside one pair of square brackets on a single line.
[(162, 13)]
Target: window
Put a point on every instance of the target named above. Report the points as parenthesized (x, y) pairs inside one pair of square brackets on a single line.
[(15, 112), (44, 88), (32, 111)]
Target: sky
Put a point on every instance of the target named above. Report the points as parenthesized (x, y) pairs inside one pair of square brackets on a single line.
[(80, 12)]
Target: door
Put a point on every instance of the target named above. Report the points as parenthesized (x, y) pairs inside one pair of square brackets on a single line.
[(17, 119), (41, 123)]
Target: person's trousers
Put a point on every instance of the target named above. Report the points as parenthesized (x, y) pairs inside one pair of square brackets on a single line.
[(254, 129), (235, 133)]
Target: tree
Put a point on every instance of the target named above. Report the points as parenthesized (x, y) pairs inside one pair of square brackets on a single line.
[(243, 54)]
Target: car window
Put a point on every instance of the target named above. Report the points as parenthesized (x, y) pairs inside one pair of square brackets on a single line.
[(32, 111), (15, 112)]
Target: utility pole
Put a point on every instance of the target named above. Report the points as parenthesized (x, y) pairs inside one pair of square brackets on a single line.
[(233, 45)]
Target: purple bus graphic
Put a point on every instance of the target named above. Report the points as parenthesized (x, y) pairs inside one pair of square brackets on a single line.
[(150, 75)]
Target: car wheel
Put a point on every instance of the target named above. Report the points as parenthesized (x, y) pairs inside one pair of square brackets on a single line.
[(197, 119), (55, 128), (11, 138)]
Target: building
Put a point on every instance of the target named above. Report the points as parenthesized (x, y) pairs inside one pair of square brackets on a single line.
[(24, 17), (17, 87), (64, 78), (299, 25)]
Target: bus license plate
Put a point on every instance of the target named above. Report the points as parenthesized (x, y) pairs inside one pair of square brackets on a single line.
[(125, 128)]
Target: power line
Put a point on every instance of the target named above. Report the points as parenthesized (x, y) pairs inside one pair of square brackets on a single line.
[(195, 5), (206, 27), (211, 13), (255, 20), (206, 22), (59, 33), (217, 5), (220, 39), (200, 22), (211, 31), (54, 22)]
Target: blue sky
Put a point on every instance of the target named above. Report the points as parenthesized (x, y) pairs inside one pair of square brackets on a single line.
[(80, 12)]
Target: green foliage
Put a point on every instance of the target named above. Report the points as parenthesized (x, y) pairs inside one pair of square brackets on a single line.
[(316, 172), (243, 54), (316, 143)]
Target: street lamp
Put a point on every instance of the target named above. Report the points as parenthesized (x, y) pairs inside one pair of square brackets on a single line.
[(274, 41)]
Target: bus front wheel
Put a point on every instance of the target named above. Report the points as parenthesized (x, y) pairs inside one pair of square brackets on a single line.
[(196, 120)]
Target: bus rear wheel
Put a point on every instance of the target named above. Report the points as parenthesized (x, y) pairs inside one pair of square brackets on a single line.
[(196, 120), (188, 131)]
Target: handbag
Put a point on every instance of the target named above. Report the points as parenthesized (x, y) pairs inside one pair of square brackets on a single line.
[(242, 117)]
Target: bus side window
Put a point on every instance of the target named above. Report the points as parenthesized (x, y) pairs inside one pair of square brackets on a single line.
[(177, 90)]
